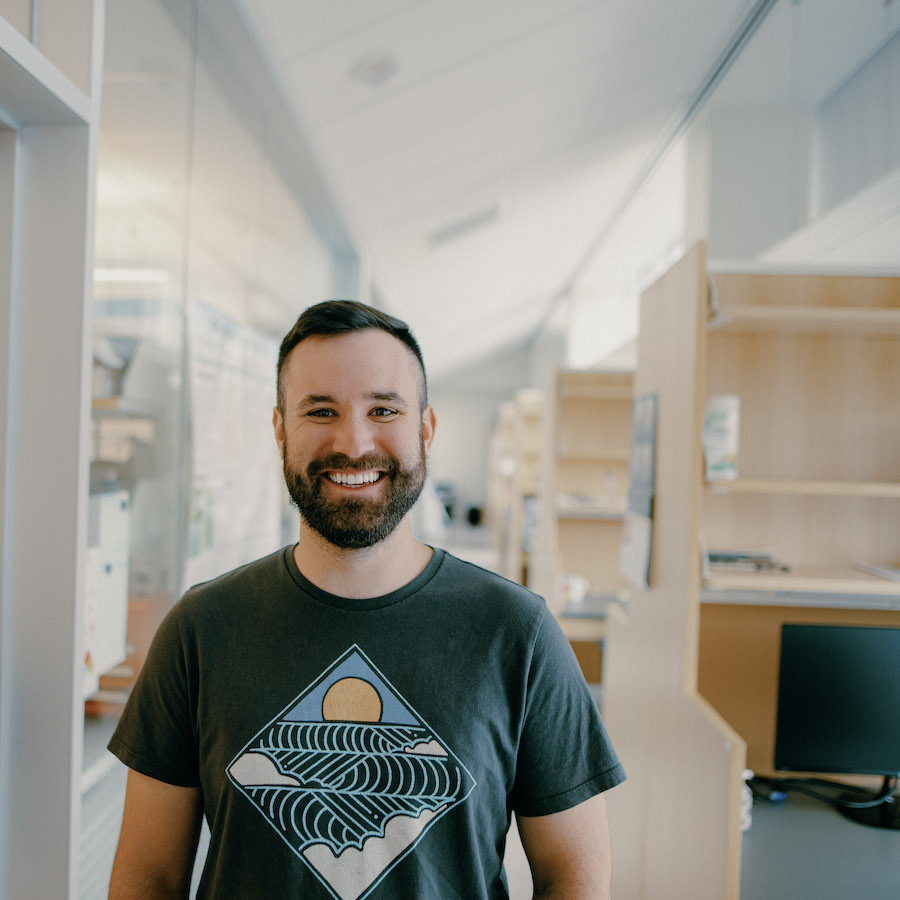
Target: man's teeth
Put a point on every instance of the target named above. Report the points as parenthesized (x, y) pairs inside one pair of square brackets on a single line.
[(354, 478)]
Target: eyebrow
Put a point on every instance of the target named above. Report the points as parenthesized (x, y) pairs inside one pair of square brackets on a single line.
[(382, 396), (387, 397)]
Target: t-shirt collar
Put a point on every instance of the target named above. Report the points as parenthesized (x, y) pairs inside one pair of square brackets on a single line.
[(367, 603)]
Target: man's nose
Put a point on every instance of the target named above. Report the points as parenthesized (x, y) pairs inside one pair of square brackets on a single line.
[(353, 437)]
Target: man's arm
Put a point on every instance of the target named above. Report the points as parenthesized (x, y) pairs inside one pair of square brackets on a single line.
[(158, 842), (569, 852)]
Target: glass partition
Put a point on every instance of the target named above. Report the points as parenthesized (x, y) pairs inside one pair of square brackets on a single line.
[(138, 434), (203, 260)]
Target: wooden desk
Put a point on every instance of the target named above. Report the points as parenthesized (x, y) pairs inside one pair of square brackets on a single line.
[(740, 645)]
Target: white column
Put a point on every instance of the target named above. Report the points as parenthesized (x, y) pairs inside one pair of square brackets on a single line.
[(46, 232)]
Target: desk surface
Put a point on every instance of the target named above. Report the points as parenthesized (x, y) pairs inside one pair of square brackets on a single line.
[(802, 848)]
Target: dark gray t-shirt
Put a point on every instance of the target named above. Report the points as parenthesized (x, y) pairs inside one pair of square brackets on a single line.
[(364, 749)]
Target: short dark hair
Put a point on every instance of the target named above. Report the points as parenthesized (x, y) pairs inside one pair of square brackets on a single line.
[(335, 317)]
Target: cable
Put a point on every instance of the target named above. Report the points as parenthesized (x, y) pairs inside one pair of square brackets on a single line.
[(777, 786)]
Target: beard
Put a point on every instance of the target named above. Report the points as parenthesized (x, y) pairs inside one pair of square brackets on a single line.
[(355, 523)]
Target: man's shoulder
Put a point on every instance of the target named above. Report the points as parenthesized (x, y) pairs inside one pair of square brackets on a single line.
[(259, 574), (488, 583)]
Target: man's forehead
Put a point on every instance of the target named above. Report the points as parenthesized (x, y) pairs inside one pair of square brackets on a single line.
[(370, 345), (371, 360)]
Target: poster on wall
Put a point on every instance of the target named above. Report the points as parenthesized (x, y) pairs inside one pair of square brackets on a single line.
[(236, 483), (637, 534)]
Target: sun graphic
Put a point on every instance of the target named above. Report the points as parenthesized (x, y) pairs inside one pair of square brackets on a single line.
[(351, 700)]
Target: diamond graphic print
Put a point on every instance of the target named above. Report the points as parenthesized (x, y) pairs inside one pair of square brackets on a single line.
[(350, 776)]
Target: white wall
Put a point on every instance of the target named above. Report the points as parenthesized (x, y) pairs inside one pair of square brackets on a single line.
[(858, 130), (758, 179), (466, 404)]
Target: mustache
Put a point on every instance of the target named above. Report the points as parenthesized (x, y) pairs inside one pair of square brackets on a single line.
[(361, 464)]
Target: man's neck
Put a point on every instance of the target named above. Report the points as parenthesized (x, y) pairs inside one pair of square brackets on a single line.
[(360, 574)]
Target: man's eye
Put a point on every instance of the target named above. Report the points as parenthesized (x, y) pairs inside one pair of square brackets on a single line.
[(382, 411), (320, 413)]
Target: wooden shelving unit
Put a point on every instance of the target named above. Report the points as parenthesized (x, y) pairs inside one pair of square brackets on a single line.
[(513, 479), (815, 363), (586, 436)]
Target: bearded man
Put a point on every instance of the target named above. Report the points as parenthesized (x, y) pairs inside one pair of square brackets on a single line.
[(359, 714)]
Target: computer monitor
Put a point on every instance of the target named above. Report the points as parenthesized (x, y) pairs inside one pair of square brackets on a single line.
[(839, 702)]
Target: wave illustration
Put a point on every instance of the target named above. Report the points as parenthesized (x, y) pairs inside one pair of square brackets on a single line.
[(350, 791), (316, 817), (349, 737)]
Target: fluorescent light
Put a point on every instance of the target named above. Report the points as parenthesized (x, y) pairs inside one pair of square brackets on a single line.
[(129, 275)]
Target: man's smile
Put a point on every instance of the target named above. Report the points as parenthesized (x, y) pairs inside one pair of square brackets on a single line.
[(355, 479)]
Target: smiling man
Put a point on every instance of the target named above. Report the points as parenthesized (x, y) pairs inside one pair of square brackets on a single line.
[(359, 714), (353, 428)]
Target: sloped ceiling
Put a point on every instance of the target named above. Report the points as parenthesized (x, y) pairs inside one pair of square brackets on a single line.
[(477, 148)]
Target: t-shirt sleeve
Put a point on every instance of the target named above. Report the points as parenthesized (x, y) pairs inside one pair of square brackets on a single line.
[(156, 735), (565, 755)]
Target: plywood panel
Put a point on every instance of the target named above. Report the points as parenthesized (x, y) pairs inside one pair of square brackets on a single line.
[(587, 424), (808, 320), (591, 549), (806, 532), (597, 384), (676, 821), (812, 407), (805, 290), (603, 479)]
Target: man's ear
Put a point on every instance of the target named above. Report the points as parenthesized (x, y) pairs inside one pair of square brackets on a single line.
[(428, 425), (278, 426)]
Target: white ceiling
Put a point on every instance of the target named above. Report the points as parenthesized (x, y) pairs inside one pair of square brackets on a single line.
[(494, 139)]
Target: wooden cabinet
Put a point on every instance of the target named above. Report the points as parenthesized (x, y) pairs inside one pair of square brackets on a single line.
[(587, 435), (740, 645)]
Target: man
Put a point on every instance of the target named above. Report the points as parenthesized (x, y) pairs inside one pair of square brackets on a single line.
[(358, 715)]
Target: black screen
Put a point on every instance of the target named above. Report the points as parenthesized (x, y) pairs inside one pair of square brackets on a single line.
[(839, 700)]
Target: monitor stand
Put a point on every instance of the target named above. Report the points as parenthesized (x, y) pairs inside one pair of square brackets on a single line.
[(885, 815)]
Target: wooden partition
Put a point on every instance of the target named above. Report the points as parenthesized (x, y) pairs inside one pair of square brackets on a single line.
[(676, 820), (814, 361)]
